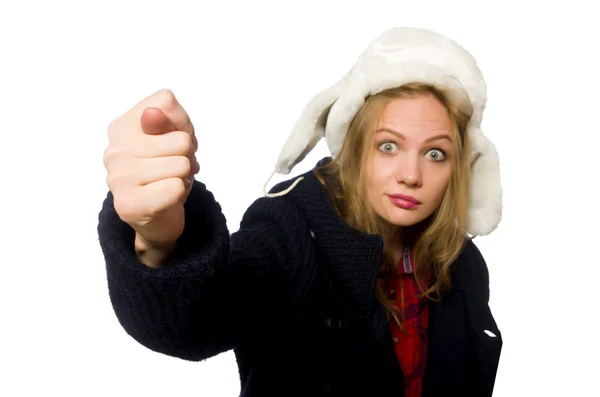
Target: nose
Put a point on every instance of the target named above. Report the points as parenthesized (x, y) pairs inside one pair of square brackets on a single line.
[(409, 171)]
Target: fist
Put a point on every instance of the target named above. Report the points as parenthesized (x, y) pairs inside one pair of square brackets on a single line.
[(150, 163)]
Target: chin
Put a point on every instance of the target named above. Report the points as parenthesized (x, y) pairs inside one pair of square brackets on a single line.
[(403, 218), (402, 222)]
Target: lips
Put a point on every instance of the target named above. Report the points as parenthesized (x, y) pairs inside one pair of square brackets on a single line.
[(407, 205), (403, 197)]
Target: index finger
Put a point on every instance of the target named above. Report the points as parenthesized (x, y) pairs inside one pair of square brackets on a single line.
[(165, 101)]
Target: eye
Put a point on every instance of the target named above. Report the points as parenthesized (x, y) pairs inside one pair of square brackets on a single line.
[(437, 154), (387, 147)]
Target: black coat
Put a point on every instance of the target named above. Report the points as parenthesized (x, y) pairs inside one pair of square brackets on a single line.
[(293, 293)]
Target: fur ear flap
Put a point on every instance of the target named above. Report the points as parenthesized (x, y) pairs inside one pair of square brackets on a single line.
[(485, 189), (309, 129)]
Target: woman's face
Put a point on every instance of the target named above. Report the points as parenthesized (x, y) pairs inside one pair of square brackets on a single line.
[(411, 152)]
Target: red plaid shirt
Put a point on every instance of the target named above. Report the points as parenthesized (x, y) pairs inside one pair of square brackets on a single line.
[(410, 345)]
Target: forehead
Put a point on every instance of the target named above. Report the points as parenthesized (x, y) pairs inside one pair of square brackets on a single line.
[(420, 117)]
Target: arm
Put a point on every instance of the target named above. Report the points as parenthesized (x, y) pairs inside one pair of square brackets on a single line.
[(210, 291), (484, 335)]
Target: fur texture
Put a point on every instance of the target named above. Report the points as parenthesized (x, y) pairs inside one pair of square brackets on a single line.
[(396, 57)]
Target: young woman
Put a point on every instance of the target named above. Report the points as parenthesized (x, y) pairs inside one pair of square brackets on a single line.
[(360, 276)]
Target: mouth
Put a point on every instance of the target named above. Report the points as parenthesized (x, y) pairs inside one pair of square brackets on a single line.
[(402, 201)]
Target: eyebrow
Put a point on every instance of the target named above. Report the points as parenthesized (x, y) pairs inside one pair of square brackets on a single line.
[(433, 138)]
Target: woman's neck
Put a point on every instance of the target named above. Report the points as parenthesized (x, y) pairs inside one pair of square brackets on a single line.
[(397, 247)]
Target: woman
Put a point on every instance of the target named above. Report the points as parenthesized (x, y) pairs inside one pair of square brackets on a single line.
[(357, 278)]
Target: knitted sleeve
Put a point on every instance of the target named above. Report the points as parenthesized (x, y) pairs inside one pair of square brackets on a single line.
[(484, 335), (213, 290)]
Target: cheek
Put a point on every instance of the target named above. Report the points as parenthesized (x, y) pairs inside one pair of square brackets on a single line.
[(372, 175), (382, 171), (440, 187)]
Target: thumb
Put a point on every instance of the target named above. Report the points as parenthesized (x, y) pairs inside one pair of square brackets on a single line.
[(155, 121)]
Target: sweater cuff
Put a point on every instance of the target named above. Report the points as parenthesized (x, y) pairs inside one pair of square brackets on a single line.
[(202, 247)]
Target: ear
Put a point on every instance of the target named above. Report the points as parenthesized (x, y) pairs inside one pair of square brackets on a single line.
[(309, 129)]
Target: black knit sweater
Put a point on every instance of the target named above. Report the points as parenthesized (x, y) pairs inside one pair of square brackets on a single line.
[(292, 291)]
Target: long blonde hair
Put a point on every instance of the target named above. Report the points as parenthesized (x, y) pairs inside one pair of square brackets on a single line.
[(436, 241)]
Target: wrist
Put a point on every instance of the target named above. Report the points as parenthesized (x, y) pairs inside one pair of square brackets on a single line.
[(151, 254)]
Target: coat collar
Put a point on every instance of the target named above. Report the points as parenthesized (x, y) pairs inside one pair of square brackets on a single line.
[(353, 257)]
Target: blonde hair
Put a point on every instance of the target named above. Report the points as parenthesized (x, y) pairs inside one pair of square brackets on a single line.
[(436, 241)]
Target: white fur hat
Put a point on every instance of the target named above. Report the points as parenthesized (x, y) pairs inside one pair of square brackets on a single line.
[(396, 57)]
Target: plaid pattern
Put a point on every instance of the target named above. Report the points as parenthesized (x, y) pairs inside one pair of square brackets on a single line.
[(411, 344)]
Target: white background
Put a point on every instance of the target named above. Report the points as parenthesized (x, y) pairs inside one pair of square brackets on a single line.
[(244, 71)]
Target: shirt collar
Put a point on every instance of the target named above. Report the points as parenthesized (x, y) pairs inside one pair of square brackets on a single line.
[(405, 264)]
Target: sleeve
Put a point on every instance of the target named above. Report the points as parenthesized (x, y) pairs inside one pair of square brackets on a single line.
[(213, 290), (484, 335)]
